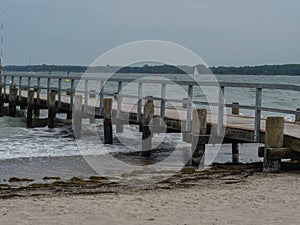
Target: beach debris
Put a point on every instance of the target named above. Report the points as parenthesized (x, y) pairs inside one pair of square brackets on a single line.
[(51, 178), (15, 179)]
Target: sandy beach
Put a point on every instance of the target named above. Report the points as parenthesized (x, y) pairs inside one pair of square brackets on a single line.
[(257, 199)]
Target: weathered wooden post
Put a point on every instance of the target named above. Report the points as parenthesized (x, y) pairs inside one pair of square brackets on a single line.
[(13, 97), (30, 104), (108, 132), (297, 119), (77, 116), (235, 108), (52, 109), (273, 140), (69, 115), (199, 124), (235, 146), (147, 135)]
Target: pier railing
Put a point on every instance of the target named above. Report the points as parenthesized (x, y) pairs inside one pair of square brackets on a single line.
[(25, 82)]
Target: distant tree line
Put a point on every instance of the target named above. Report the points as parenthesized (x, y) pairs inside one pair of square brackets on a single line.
[(288, 69)]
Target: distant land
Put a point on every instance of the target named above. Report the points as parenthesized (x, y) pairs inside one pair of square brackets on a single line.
[(286, 69)]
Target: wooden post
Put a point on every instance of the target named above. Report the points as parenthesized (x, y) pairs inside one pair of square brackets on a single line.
[(147, 136), (51, 109), (273, 139), (36, 110), (108, 132), (297, 119), (235, 108), (30, 104), (13, 94), (199, 125), (235, 145), (77, 116), (69, 115)]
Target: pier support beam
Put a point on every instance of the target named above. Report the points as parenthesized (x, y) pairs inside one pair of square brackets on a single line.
[(30, 104), (108, 131), (199, 125), (77, 116), (13, 97), (235, 146), (147, 135), (273, 139), (51, 109), (69, 115), (36, 111)]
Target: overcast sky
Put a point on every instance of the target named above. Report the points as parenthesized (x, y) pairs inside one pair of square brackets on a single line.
[(222, 32)]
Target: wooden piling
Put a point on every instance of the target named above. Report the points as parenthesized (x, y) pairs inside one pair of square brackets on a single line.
[(51, 109), (273, 139), (36, 111), (235, 145), (297, 118), (69, 115), (235, 108), (199, 125), (13, 97), (147, 135), (108, 132), (30, 105), (77, 116)]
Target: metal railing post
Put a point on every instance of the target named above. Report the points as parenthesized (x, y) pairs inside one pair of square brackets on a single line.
[(20, 87), (162, 104), (59, 93), (4, 87), (119, 98), (101, 98), (86, 95), (72, 93), (258, 100), (189, 108), (221, 110), (38, 90), (139, 104), (48, 90)]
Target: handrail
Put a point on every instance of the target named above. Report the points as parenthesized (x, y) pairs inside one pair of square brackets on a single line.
[(181, 82)]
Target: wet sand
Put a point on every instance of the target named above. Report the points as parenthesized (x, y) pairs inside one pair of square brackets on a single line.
[(257, 199)]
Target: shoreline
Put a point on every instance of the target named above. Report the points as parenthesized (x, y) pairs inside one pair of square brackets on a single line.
[(256, 199)]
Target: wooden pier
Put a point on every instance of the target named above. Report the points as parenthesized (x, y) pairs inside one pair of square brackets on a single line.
[(199, 127)]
